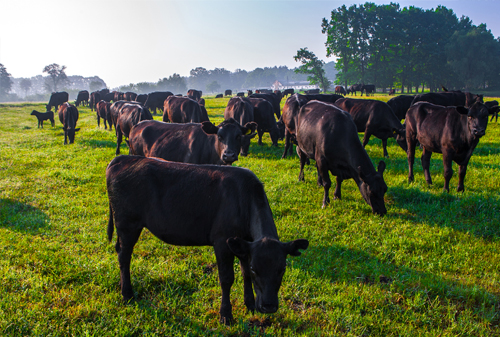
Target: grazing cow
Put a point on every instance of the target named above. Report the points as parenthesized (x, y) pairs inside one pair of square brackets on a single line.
[(492, 104), (287, 92), (125, 115), (83, 98), (194, 94), (311, 91), (219, 96), (272, 98), (340, 90), (328, 135), (181, 110), (232, 214), (103, 92), (242, 111), (56, 99), (374, 118), (449, 98), (368, 89), (195, 143), (400, 104), (452, 131), (129, 96), (95, 97), (249, 92), (263, 115), (240, 94), (228, 92), (43, 116), (103, 111), (291, 112), (68, 115), (141, 98), (392, 92), (156, 99), (355, 87)]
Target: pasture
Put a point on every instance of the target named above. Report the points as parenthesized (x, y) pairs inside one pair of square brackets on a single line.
[(431, 266)]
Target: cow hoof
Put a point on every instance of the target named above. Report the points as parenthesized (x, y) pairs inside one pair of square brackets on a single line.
[(226, 320)]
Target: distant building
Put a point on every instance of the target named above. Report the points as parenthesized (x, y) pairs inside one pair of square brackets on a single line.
[(297, 85)]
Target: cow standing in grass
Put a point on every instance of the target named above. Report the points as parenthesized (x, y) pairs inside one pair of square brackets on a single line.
[(68, 115), (43, 116)]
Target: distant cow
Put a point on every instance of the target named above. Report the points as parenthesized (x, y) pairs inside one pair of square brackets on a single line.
[(450, 98), (129, 96), (392, 92), (340, 90), (492, 104), (400, 104), (141, 98), (240, 94), (118, 96), (374, 118), (194, 94), (228, 92), (219, 96), (95, 97), (110, 96), (272, 98), (287, 92), (156, 99), (452, 131), (311, 91), (249, 92), (242, 111), (232, 214), (355, 87), (82, 98), (43, 116), (103, 111), (181, 110), (195, 143), (328, 135), (103, 92), (56, 99), (368, 89), (68, 115), (264, 117)]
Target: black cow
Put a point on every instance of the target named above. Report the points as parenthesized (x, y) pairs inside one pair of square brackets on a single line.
[(232, 214), (194, 94), (108, 97), (103, 111), (311, 91), (392, 92), (43, 116), (141, 98), (287, 92), (374, 118), (181, 110), (95, 97), (368, 89), (219, 96), (83, 98), (242, 111), (68, 115), (56, 99), (328, 135), (249, 92), (400, 104), (156, 99), (490, 104), (103, 92), (452, 131), (450, 98), (125, 115), (355, 87), (228, 92), (204, 113), (264, 117), (195, 143), (240, 94), (291, 111), (129, 96), (340, 90), (272, 98)]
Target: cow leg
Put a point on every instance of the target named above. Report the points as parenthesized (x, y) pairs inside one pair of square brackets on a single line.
[(323, 174), (366, 137), (98, 121), (426, 162), (65, 136), (247, 285), (412, 143), (287, 144), (124, 246), (462, 169), (384, 146), (260, 134), (225, 260), (41, 123), (52, 122), (338, 194), (105, 126), (118, 139), (303, 159), (448, 170)]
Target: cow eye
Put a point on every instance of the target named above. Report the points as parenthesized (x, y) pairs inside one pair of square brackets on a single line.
[(252, 270), (219, 137)]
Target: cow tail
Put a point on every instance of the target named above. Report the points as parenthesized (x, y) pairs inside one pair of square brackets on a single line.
[(111, 225)]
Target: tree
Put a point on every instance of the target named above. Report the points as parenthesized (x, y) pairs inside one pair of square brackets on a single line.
[(198, 77), (5, 82), (313, 66), (174, 83), (95, 85), (213, 87), (25, 85), (57, 74)]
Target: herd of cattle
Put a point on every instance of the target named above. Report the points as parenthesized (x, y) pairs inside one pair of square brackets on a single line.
[(149, 187)]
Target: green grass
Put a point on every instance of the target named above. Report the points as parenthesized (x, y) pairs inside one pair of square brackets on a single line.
[(429, 267)]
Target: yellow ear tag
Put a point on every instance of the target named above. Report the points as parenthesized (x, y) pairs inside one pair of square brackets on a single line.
[(248, 132)]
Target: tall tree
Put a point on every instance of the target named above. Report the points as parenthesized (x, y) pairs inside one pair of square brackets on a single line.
[(313, 66), (174, 83), (213, 86), (5, 82), (57, 74), (25, 85)]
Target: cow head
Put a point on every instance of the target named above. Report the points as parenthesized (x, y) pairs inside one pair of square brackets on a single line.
[(373, 188), (230, 137), (281, 128), (71, 134), (266, 259), (477, 117), (400, 135)]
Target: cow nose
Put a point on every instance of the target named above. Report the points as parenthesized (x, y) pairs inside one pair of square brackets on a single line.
[(268, 308), (479, 132), (229, 157)]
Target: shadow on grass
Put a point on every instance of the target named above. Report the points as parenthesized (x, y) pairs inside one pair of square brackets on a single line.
[(474, 214), (22, 217), (95, 143)]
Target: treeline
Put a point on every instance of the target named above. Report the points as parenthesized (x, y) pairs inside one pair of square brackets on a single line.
[(395, 47)]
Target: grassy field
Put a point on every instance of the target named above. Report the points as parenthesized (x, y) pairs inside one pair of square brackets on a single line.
[(430, 267)]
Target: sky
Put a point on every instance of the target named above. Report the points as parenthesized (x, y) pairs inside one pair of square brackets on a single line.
[(132, 41)]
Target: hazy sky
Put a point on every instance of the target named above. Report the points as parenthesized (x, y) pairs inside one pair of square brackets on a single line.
[(131, 41)]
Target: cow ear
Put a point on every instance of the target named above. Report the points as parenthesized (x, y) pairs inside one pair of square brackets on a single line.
[(77, 129), (462, 110), (292, 247), (238, 246), (249, 128), (209, 128), (493, 109), (381, 167)]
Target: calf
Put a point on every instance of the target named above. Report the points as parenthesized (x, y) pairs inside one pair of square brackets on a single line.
[(400, 104), (125, 115), (242, 111), (103, 111), (43, 116), (374, 118), (328, 135), (264, 117), (452, 131), (181, 110), (68, 115), (192, 143), (232, 214)]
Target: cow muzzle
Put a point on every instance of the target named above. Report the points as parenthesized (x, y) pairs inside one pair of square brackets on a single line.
[(479, 132), (267, 308), (229, 157)]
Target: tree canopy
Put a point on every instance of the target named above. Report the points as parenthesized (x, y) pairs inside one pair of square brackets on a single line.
[(312, 66), (57, 74), (5, 82)]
